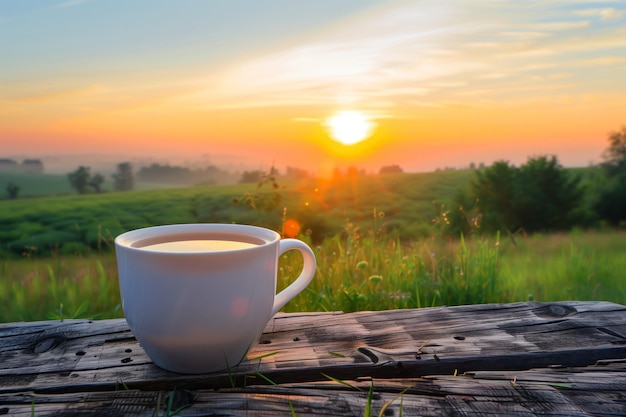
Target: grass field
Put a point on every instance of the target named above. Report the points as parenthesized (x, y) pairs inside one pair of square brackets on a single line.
[(368, 272), (35, 185), (376, 243), (48, 185), (83, 224)]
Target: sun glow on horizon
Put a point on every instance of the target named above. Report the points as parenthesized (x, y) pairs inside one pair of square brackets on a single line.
[(349, 127)]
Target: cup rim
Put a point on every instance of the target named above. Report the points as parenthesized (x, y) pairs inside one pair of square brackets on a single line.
[(260, 236)]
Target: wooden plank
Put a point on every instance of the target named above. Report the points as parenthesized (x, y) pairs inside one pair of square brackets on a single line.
[(596, 390), (55, 357)]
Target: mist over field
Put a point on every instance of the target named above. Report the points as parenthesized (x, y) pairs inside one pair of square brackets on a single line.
[(63, 163)]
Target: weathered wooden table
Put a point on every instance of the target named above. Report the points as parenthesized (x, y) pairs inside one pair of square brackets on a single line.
[(525, 359)]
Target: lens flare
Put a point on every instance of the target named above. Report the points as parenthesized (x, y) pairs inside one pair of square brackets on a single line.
[(291, 228)]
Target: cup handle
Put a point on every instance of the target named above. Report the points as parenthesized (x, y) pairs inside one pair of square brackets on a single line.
[(305, 277)]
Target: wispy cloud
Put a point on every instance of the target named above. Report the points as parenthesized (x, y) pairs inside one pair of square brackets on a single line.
[(72, 3), (42, 97), (404, 53), (608, 13), (557, 26), (399, 53)]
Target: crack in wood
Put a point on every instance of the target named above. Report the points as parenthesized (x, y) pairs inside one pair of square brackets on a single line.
[(47, 344), (611, 332), (371, 355)]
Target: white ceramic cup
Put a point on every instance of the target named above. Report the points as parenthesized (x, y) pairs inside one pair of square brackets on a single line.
[(197, 311)]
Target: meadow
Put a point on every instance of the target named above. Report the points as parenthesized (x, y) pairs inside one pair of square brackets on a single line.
[(378, 242), (405, 204)]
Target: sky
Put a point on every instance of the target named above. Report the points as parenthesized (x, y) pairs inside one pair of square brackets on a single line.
[(442, 83)]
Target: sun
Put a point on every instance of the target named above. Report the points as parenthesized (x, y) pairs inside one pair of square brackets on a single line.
[(349, 127)]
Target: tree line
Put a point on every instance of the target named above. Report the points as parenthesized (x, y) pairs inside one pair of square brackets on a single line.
[(83, 181), (542, 196)]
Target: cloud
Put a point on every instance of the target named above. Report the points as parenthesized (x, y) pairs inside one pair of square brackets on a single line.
[(414, 52), (72, 3), (608, 13), (603, 61), (55, 96), (557, 26)]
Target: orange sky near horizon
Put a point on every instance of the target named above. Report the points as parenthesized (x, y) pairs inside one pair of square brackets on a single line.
[(446, 85)]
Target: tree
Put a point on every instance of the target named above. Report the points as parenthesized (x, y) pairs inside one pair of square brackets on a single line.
[(79, 179), (12, 190), (33, 166), (615, 154), (539, 196), (123, 179), (547, 197), (96, 181), (610, 202), (296, 173), (391, 169), (251, 176), (492, 188)]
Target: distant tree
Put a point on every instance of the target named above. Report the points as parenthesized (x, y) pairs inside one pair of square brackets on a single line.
[(251, 176), (96, 181), (353, 172), (165, 174), (296, 173), (32, 166), (391, 169), (610, 202), (123, 179), (615, 154), (12, 190), (8, 165), (79, 179)]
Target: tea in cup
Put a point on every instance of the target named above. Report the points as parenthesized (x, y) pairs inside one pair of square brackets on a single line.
[(198, 296)]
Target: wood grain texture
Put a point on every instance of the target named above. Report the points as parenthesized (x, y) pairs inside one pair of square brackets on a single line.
[(515, 359)]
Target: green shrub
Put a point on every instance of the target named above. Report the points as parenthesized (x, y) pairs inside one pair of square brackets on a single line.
[(43, 243)]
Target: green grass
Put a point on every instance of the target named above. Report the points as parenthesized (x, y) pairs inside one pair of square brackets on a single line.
[(60, 287), (48, 185), (372, 271), (376, 243), (35, 185)]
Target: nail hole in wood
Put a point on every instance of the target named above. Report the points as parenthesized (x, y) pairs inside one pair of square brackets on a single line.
[(459, 337), (265, 342), (126, 360)]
